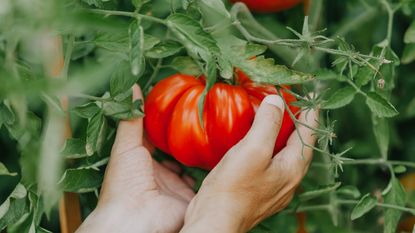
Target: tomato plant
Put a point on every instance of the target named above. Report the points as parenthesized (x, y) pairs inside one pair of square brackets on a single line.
[(269, 5), (67, 67), (172, 120)]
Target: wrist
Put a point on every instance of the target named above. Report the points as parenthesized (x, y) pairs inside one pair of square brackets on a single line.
[(214, 215)]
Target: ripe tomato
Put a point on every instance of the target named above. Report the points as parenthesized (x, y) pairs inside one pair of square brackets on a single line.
[(172, 120), (266, 6)]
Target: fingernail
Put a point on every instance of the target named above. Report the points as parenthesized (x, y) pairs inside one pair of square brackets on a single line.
[(275, 100)]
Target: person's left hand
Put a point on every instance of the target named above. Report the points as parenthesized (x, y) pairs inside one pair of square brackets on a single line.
[(139, 194)]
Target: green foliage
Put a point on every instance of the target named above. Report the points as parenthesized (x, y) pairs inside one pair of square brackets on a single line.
[(365, 204), (360, 69), (396, 196)]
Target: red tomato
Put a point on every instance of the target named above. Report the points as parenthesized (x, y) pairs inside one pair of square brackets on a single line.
[(266, 6), (172, 120)]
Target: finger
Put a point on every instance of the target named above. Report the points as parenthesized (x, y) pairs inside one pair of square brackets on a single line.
[(130, 133), (172, 166), (189, 181), (148, 145), (295, 153), (267, 123), (172, 183)]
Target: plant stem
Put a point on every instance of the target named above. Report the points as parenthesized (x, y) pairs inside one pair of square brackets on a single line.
[(391, 13), (154, 75), (129, 14), (380, 161), (286, 54), (307, 208), (68, 54), (371, 162), (90, 97), (347, 202), (384, 205), (315, 14)]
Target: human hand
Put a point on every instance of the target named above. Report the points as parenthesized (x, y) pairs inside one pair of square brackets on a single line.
[(139, 194), (249, 184)]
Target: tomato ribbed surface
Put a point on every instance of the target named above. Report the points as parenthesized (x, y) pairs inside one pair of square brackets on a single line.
[(172, 117)]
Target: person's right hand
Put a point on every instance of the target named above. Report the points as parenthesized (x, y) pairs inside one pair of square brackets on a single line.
[(250, 184)]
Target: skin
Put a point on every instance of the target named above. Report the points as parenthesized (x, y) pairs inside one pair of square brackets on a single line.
[(248, 185), (138, 194)]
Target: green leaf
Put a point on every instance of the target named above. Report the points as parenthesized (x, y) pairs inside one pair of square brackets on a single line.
[(36, 206), (216, 6), (164, 49), (226, 68), (210, 81), (408, 55), (365, 204), (81, 180), (388, 71), (139, 3), (17, 208), (253, 50), (186, 65), (349, 190), (260, 69), (410, 34), (321, 190), (395, 196), (24, 224), (74, 148), (382, 133), (326, 74), (4, 208), (14, 207), (399, 169), (121, 80), (42, 230), (116, 42), (6, 115), (96, 164), (95, 133), (190, 33), (136, 35), (125, 110), (19, 192), (82, 50), (87, 110), (340, 98), (97, 3), (5, 172), (380, 106), (363, 76), (150, 41), (264, 70)]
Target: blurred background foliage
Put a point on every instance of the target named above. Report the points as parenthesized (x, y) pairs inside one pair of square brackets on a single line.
[(50, 50)]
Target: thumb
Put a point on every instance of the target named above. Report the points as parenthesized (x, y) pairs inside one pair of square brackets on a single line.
[(130, 132), (267, 123)]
